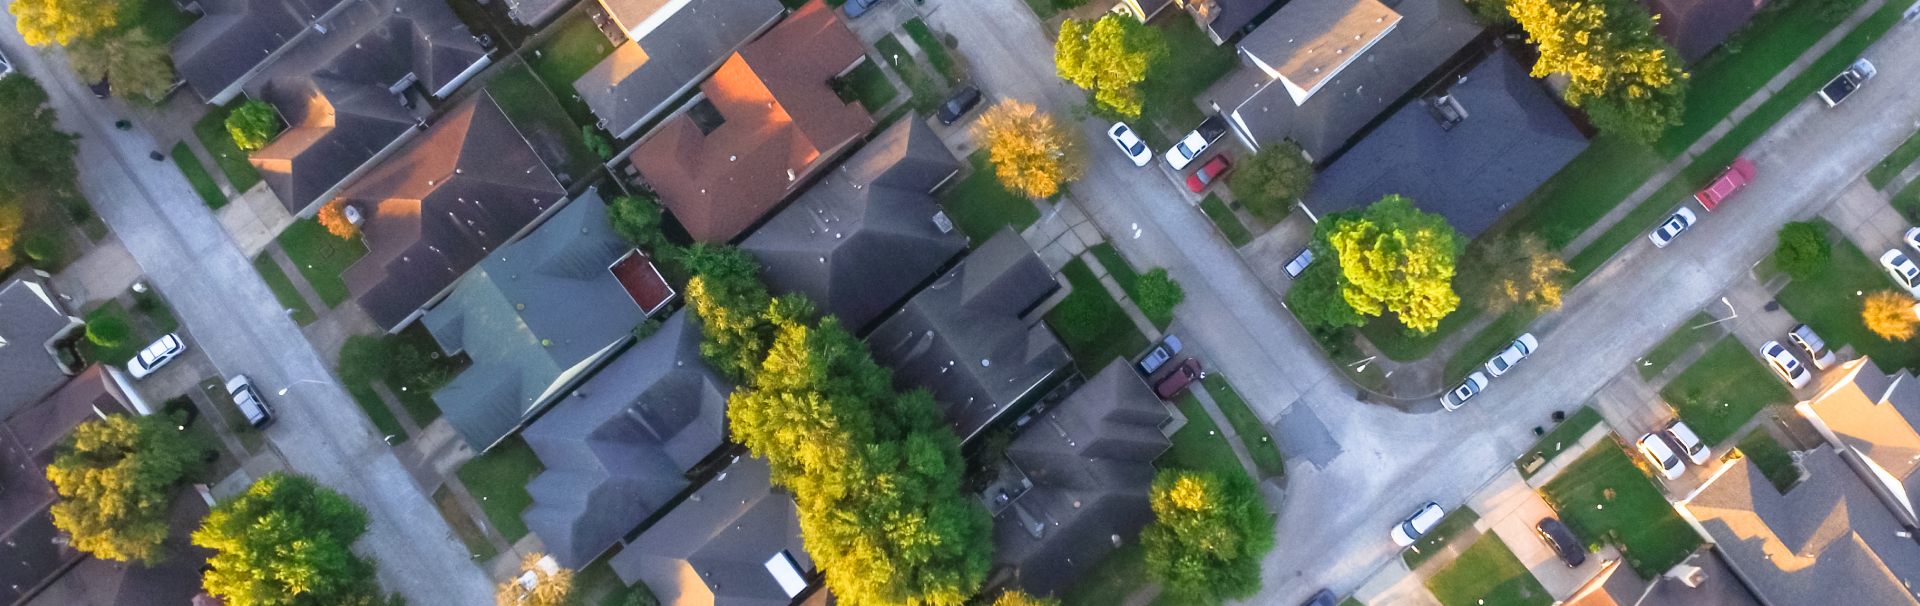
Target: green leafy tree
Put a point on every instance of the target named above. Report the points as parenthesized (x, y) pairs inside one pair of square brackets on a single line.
[(1208, 535), (1627, 78), (1395, 258), (34, 154), (115, 477), (1268, 182), (596, 142), (1489, 12), (286, 540), (1158, 293), (1109, 58), (63, 21), (1516, 271), (1803, 251), (637, 220), (727, 294), (138, 66), (253, 125)]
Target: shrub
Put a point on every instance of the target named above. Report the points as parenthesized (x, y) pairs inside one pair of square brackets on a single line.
[(1803, 250), (1158, 293), (596, 142), (253, 125), (1268, 182), (108, 331), (637, 220)]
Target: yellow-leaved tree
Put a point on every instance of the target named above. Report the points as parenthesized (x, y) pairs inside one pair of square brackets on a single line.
[(1109, 57), (1629, 80), (63, 21), (1890, 314), (1032, 153), (1395, 258), (1521, 271)]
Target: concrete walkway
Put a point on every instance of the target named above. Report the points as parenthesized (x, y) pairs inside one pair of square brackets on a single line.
[(1721, 129)]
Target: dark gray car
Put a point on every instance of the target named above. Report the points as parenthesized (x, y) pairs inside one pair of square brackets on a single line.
[(1561, 539)]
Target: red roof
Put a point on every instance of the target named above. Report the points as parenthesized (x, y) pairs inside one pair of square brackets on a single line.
[(636, 273), (782, 122)]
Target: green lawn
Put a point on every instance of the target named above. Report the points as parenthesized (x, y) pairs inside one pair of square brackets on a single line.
[(927, 94), (1766, 453), (541, 118), (1193, 63), (499, 480), (1650, 212), (160, 18), (1724, 388), (868, 85), (1559, 440), (377, 411), (1401, 345), (1583, 191), (980, 205), (1489, 341), (1457, 521), (1224, 219), (197, 176), (1199, 445), (1117, 336), (598, 577), (414, 396), (1827, 303), (1260, 445), (1129, 280), (1110, 582), (283, 290), (936, 50), (116, 354), (158, 315), (463, 525), (576, 46), (1884, 172), (1488, 574), (211, 130), (1636, 516), (320, 257), (1044, 9), (1725, 78), (1908, 201), (1683, 338)]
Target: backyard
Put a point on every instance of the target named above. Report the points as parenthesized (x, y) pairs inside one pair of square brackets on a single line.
[(1827, 303), (321, 257), (573, 47), (1558, 440), (1723, 389), (1602, 496), (980, 205), (498, 479), (1092, 326), (1773, 460), (1260, 445), (541, 118), (1110, 582), (1487, 574)]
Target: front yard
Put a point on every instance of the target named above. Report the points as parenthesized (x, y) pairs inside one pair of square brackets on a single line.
[(980, 205), (1260, 445), (1488, 574), (283, 289), (320, 257), (1558, 440), (1604, 497), (196, 174), (1826, 302), (1128, 279), (1199, 445), (1723, 389), (211, 130), (1436, 540), (1193, 63), (498, 479), (1683, 338), (1091, 325)]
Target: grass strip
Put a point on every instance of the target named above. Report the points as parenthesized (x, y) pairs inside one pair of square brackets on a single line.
[(283, 290), (1644, 217), (1489, 341), (1260, 445), (196, 174), (1683, 338), (1457, 521), (377, 411), (1558, 441), (498, 478), (1884, 172), (211, 130), (935, 49), (1223, 218)]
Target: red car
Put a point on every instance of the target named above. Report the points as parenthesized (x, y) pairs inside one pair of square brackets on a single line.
[(1182, 376), (1212, 170), (1736, 177)]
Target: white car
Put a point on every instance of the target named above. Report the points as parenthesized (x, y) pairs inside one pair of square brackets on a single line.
[(1456, 398), (1195, 142), (1417, 525), (1784, 363), (1679, 222), (156, 355), (1662, 456), (1130, 143), (247, 399), (1912, 237), (1815, 347), (1903, 270), (1520, 348), (1690, 444)]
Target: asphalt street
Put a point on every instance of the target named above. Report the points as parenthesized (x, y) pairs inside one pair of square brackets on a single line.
[(1371, 465), (237, 322)]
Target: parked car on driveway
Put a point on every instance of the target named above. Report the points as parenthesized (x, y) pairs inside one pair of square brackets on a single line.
[(1456, 398), (959, 104), (248, 400), (1160, 354), (1736, 177), (1200, 179), (1323, 597), (1183, 375), (1520, 349), (1903, 270), (156, 355), (1849, 80), (1417, 525), (1815, 347), (1196, 142), (1912, 238), (1785, 364), (1679, 222), (1299, 263), (1662, 456), (1130, 143), (1689, 444), (1560, 538)]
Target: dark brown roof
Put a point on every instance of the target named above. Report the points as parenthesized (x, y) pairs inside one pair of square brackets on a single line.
[(434, 209), (781, 122), (1695, 27), (642, 280)]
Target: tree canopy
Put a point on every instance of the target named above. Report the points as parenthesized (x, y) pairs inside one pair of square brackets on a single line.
[(732, 303), (63, 21), (1517, 271), (115, 477), (1803, 251), (1627, 78), (1021, 598), (333, 217), (1159, 293), (1890, 314), (1109, 58), (138, 66), (286, 537), (1268, 182), (1395, 258), (1208, 535), (552, 585), (1032, 153), (253, 125), (637, 220), (34, 154)]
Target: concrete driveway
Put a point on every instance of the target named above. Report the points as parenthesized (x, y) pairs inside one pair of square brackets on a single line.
[(1511, 510)]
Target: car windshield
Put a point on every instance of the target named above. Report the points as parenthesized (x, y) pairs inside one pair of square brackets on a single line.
[(1500, 363), (1672, 461), (1407, 527)]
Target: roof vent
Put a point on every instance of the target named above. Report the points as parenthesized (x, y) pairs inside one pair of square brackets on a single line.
[(732, 158), (790, 175), (941, 221), (985, 362)]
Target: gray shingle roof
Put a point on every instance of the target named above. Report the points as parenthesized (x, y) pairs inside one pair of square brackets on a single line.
[(1695, 27), (232, 36), (1513, 139), (1091, 463), (618, 451), (642, 75), (30, 315), (544, 308), (964, 339), (711, 550), (1828, 541), (1874, 414), (1429, 32), (863, 237)]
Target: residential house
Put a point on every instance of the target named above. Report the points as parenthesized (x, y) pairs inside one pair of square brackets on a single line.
[(1320, 70), (759, 130), (535, 317), (232, 38), (1467, 150), (354, 90), (175, 580), (1224, 20), (1077, 481), (1696, 27), (971, 339), (734, 542), (32, 319), (1828, 540), (672, 45), (1703, 579), (28, 540), (620, 449), (1869, 417), (432, 211), (860, 240)]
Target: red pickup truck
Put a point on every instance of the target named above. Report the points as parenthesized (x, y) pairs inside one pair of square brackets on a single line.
[(1736, 177)]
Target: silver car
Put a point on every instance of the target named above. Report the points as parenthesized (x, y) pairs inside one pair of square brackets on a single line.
[(1519, 350), (1812, 344), (1458, 397), (1784, 363), (1690, 445)]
